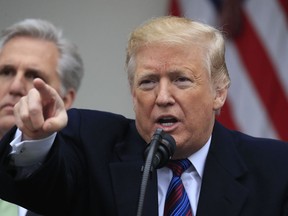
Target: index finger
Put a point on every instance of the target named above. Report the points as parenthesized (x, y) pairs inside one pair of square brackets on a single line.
[(45, 90)]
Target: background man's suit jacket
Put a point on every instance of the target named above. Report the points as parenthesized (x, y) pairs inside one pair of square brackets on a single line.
[(94, 168)]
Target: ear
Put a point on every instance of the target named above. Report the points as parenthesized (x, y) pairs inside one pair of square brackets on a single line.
[(220, 98), (69, 98), (133, 99)]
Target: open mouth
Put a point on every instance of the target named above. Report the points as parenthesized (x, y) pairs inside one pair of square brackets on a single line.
[(167, 121)]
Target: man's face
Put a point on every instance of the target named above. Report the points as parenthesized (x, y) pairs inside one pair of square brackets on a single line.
[(21, 60), (172, 90)]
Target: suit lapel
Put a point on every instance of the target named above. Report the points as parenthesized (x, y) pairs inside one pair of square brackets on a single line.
[(222, 192), (126, 179), (126, 174)]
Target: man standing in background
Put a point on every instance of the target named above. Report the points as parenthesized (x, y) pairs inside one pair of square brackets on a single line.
[(30, 49)]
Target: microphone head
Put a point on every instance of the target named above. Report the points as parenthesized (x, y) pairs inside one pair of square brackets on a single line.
[(166, 149), (164, 152), (170, 142)]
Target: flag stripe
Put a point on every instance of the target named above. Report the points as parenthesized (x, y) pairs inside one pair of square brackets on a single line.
[(226, 116), (273, 33), (174, 9), (284, 4), (246, 106), (264, 77)]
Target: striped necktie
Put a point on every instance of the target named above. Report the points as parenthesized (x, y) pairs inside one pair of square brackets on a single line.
[(8, 209), (177, 202)]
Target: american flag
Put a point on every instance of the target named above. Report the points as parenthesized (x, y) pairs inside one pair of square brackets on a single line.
[(257, 60)]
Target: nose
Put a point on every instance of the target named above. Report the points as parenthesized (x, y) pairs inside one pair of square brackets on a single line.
[(164, 94), (18, 86)]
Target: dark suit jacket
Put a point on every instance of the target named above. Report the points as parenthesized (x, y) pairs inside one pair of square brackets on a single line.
[(29, 213), (94, 168)]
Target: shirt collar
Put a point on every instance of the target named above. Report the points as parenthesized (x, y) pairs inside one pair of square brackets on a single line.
[(198, 158)]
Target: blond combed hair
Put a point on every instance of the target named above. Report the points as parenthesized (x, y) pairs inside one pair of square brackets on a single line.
[(172, 30)]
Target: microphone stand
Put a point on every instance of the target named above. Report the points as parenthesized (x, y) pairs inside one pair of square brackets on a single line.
[(148, 168)]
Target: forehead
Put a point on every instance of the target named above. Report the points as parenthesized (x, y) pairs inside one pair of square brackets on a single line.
[(166, 56), (30, 43), (32, 51)]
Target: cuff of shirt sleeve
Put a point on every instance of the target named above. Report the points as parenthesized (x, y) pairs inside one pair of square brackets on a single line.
[(30, 152)]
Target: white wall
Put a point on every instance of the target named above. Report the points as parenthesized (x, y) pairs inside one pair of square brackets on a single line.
[(100, 28)]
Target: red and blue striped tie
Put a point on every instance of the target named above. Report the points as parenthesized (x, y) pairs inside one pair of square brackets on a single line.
[(177, 202)]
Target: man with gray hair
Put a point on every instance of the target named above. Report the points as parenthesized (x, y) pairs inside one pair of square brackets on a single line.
[(29, 49)]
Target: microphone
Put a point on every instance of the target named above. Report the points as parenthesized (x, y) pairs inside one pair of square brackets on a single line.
[(165, 151), (157, 153), (165, 147)]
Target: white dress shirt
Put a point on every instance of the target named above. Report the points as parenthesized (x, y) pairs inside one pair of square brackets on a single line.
[(191, 178), (30, 152)]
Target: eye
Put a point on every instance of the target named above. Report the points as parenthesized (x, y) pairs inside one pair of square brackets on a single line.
[(32, 74), (7, 71), (182, 79), (147, 84), (183, 82)]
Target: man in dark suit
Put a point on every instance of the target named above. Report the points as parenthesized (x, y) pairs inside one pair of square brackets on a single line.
[(34, 48), (92, 165)]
